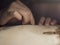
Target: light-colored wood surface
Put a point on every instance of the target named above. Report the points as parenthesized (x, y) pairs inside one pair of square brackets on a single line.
[(29, 35)]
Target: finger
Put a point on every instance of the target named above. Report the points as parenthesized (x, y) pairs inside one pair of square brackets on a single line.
[(47, 22), (41, 21), (26, 16), (32, 21), (17, 15), (5, 19), (54, 22), (14, 14)]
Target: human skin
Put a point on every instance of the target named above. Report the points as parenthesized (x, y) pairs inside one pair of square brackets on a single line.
[(46, 11), (17, 11), (43, 11)]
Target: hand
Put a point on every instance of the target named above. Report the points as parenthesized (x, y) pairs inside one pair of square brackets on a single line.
[(20, 12), (26, 18), (47, 21)]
